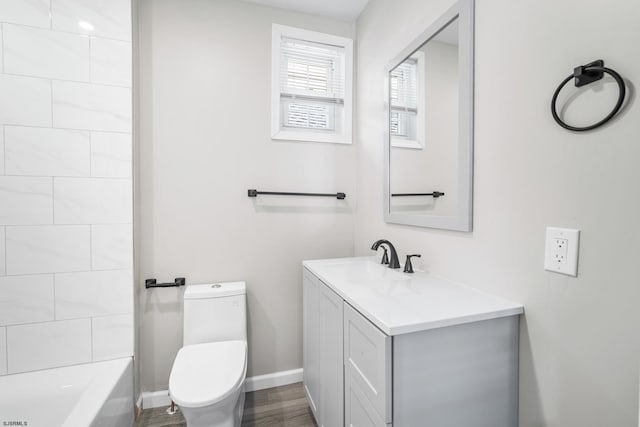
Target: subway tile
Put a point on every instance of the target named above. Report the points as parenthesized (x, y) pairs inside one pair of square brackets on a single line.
[(1, 150), (111, 155), (3, 269), (25, 101), (34, 13), (92, 107), (111, 246), (95, 293), (45, 53), (111, 61), (3, 351), (26, 200), (92, 201), (47, 152), (106, 18), (48, 249), (1, 51), (48, 345), (26, 299), (112, 336)]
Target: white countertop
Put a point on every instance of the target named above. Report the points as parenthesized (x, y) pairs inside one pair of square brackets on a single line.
[(399, 303)]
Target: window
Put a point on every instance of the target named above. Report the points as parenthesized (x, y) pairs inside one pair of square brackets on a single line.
[(311, 86), (407, 108)]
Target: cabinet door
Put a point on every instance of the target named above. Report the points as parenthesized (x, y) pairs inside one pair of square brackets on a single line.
[(367, 360), (310, 340), (331, 405)]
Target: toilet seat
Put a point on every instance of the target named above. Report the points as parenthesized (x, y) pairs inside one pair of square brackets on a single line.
[(204, 374)]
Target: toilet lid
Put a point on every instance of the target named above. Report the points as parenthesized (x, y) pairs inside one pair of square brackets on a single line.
[(204, 374)]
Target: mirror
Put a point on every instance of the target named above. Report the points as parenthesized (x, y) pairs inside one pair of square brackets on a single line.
[(429, 132)]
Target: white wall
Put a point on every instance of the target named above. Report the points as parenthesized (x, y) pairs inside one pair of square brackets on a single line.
[(579, 338), (66, 280), (201, 64)]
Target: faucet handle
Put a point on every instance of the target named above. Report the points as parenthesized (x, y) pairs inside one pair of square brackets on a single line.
[(408, 267), (385, 257)]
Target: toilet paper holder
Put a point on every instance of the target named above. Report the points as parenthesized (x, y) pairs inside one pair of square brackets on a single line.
[(153, 283)]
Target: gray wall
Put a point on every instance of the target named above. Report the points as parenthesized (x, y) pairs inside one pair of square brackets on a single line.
[(580, 345), (202, 63)]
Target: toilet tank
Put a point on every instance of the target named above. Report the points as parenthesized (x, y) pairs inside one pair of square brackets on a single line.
[(215, 312)]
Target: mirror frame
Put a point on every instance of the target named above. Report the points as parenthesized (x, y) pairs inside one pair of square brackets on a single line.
[(464, 11)]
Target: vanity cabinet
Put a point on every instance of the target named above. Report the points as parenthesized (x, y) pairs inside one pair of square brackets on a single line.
[(451, 372)]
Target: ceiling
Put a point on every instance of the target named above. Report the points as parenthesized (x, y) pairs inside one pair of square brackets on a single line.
[(345, 10)]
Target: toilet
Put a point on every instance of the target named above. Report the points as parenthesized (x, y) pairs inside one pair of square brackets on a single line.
[(207, 377)]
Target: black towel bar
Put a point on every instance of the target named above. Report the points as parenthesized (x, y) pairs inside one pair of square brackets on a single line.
[(256, 193), (435, 194)]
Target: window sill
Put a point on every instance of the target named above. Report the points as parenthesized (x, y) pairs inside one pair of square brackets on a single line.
[(310, 137)]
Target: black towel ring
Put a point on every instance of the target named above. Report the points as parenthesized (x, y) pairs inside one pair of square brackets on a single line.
[(584, 75)]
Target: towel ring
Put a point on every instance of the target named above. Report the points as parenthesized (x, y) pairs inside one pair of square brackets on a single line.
[(584, 75)]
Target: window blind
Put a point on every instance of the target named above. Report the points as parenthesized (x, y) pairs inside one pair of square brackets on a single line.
[(312, 80), (404, 98)]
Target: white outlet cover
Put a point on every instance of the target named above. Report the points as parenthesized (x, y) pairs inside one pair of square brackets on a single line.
[(568, 262)]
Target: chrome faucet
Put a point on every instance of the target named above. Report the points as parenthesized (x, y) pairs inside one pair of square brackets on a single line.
[(393, 260)]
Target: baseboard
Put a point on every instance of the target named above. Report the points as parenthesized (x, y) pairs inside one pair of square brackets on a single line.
[(275, 379), (156, 399)]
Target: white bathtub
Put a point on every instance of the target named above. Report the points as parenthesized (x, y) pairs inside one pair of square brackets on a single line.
[(93, 395)]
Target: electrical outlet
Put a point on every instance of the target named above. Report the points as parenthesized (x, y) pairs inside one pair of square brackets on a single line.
[(561, 250)]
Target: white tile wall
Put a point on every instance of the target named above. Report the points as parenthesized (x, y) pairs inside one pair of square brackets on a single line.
[(1, 50), (45, 53), (111, 19), (26, 200), (111, 246), (92, 201), (112, 336), (110, 62), (48, 249), (66, 285), (25, 100), (3, 351), (47, 345), (91, 106), (1, 149), (3, 270), (26, 299), (34, 13), (111, 154), (95, 293), (47, 152)]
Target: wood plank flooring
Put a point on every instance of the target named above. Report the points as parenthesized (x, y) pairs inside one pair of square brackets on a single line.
[(284, 406)]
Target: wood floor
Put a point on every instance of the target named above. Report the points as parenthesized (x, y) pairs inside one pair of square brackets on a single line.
[(284, 406)]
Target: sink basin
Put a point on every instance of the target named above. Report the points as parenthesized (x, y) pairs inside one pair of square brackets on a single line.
[(398, 302)]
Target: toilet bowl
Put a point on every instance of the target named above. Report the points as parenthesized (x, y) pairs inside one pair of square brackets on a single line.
[(207, 383), (208, 373)]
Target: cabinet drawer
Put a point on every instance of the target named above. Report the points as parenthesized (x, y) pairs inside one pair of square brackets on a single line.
[(359, 411), (367, 361)]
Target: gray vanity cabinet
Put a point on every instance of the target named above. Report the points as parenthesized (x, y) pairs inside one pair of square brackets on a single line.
[(456, 375)]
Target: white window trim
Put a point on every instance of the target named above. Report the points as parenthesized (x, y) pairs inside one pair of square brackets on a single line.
[(419, 142), (346, 136)]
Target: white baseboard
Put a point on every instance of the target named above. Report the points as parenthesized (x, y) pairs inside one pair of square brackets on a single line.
[(156, 399), (276, 379)]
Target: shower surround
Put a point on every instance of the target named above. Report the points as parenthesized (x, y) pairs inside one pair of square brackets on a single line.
[(66, 283)]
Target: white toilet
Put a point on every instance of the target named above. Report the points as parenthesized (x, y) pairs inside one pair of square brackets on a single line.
[(207, 377)]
